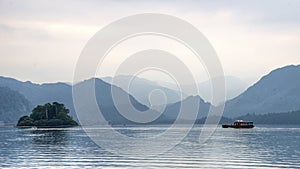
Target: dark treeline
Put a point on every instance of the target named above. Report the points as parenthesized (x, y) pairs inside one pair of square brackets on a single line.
[(292, 118), (286, 118)]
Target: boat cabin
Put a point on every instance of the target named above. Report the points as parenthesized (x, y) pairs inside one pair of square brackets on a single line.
[(239, 124)]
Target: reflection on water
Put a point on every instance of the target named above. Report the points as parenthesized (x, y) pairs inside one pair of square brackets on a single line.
[(49, 137), (261, 147)]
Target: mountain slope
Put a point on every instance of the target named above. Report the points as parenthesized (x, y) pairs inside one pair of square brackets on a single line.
[(172, 110), (107, 103), (279, 91), (12, 105)]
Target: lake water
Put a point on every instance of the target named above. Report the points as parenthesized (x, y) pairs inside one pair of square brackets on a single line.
[(261, 147)]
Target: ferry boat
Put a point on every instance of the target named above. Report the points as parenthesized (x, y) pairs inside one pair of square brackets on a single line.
[(239, 124)]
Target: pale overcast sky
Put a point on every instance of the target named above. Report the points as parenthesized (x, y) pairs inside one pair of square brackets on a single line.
[(41, 40)]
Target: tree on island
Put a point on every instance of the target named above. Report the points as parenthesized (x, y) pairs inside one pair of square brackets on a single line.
[(48, 115)]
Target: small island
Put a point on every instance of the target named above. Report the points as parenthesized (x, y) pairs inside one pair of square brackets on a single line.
[(48, 115)]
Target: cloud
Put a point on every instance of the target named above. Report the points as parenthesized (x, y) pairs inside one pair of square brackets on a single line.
[(250, 37)]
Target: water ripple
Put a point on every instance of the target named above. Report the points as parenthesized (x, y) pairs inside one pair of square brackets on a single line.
[(261, 147)]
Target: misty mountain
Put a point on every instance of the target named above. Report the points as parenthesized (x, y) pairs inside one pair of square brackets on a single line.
[(279, 91), (12, 105), (141, 89), (37, 94), (234, 87), (107, 104)]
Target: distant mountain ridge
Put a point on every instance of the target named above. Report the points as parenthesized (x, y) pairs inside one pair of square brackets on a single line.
[(234, 87), (279, 91), (141, 88)]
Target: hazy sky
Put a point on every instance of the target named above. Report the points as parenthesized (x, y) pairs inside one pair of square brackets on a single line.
[(41, 41)]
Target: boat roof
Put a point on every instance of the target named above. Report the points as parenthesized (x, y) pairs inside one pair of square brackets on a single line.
[(239, 121)]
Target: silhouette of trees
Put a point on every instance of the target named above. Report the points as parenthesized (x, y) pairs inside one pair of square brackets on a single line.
[(47, 115)]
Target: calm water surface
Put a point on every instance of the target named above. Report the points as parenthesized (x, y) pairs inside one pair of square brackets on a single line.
[(261, 147)]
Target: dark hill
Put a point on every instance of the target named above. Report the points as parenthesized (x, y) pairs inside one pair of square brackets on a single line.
[(12, 105), (279, 91)]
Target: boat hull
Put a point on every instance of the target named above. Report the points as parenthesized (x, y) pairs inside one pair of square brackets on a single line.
[(237, 126)]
